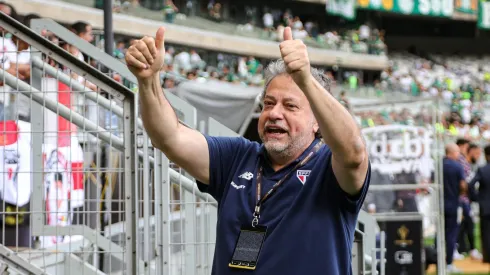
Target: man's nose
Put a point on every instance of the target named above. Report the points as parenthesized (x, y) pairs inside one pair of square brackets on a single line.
[(276, 113)]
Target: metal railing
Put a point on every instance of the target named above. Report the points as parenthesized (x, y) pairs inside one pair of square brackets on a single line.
[(120, 102), (41, 102)]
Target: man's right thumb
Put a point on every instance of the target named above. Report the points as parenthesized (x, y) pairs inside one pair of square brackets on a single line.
[(160, 39)]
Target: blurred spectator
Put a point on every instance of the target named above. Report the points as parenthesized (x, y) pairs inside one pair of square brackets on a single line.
[(454, 186), (268, 21), (183, 61), (170, 10), (405, 199), (120, 50), (344, 101), (189, 8), (215, 12), (364, 32), (8, 48), (83, 30), (169, 55), (195, 59), (480, 186), (23, 58), (191, 75), (470, 153), (169, 83)]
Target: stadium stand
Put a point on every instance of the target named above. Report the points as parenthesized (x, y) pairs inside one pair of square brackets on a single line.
[(194, 37), (273, 22)]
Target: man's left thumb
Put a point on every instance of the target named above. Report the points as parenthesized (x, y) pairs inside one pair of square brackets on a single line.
[(288, 35)]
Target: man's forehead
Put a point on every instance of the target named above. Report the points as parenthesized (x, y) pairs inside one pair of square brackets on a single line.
[(283, 87), (281, 97)]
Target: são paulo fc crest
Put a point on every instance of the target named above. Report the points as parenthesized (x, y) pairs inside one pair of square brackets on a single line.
[(302, 175)]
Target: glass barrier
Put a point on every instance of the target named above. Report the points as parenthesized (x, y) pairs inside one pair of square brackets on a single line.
[(404, 151)]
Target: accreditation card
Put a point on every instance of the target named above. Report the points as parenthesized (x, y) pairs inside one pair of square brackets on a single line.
[(247, 248)]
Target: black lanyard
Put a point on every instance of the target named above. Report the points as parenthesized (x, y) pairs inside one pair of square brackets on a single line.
[(276, 186)]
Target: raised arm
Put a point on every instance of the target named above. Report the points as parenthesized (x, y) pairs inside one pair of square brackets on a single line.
[(184, 146), (338, 128)]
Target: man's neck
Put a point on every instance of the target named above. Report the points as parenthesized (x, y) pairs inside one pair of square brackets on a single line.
[(278, 162)]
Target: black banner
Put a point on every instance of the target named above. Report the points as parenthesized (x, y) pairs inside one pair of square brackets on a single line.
[(404, 248)]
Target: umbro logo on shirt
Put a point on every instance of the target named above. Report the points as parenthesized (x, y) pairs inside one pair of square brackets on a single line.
[(246, 175), (302, 175), (238, 187)]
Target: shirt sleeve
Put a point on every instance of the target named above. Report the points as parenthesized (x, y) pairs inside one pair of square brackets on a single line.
[(461, 174), (8, 53), (352, 203), (224, 154)]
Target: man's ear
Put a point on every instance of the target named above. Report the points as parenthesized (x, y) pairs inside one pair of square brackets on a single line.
[(315, 127)]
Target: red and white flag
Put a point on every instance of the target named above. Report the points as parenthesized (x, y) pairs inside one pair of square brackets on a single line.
[(64, 175), (61, 136), (15, 151)]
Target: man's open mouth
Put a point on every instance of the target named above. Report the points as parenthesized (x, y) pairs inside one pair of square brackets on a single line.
[(275, 130)]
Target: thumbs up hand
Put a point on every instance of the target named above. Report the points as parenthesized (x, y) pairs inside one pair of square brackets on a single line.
[(295, 57), (145, 58)]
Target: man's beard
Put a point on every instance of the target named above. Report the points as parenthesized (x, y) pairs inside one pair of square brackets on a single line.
[(289, 147), (278, 148)]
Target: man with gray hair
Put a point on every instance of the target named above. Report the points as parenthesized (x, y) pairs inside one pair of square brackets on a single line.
[(290, 205)]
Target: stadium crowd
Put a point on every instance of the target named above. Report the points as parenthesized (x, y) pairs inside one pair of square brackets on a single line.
[(268, 24), (437, 77), (451, 123), (463, 92)]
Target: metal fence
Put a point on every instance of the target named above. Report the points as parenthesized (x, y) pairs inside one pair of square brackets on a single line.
[(83, 198), (61, 227)]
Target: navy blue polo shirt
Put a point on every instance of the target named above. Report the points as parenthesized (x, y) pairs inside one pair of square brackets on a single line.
[(453, 173), (311, 220)]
